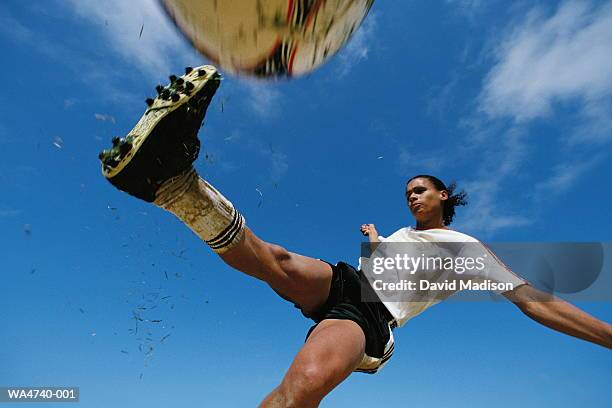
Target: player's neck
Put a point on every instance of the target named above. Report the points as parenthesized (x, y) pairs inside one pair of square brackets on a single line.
[(430, 224)]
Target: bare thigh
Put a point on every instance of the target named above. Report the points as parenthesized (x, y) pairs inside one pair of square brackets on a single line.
[(304, 280), (332, 352)]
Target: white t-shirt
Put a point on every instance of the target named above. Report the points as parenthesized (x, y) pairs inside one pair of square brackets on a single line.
[(441, 244)]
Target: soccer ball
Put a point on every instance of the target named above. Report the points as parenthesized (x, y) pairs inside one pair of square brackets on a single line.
[(268, 38)]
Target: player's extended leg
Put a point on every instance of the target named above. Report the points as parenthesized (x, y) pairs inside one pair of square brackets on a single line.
[(154, 163), (303, 280), (333, 350)]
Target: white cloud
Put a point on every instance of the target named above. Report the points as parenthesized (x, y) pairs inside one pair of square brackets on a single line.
[(263, 98), (596, 124), (486, 213), (489, 210), (279, 164), (546, 62), (103, 117), (121, 22), (564, 175), (84, 69), (159, 48), (409, 163), (70, 102), (474, 10), (358, 48), (467, 6), (566, 57)]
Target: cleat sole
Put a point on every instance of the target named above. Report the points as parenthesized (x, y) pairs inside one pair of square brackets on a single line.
[(166, 134)]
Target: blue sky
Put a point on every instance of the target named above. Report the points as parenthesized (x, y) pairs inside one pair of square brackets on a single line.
[(512, 102)]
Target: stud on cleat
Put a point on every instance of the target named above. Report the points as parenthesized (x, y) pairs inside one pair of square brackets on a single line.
[(102, 154), (180, 81), (150, 101), (164, 143), (172, 78), (159, 89), (188, 70), (125, 148)]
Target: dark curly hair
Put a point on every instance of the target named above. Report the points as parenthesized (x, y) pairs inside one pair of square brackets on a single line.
[(454, 199)]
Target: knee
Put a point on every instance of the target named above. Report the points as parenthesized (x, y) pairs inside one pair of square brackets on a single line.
[(279, 253), (304, 388), (273, 265), (279, 258)]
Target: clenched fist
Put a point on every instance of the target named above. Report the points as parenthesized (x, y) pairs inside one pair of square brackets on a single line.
[(369, 230)]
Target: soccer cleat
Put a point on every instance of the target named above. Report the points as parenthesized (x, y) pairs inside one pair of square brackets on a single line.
[(164, 143)]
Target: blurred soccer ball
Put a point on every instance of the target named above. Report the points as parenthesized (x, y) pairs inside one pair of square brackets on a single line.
[(268, 38)]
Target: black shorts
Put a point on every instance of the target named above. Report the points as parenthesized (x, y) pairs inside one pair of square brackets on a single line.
[(345, 303)]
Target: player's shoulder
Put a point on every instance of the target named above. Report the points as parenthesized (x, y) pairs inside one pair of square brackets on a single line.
[(456, 236), (401, 234), (433, 235)]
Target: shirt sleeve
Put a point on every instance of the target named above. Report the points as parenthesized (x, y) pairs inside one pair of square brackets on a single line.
[(395, 237), (490, 268)]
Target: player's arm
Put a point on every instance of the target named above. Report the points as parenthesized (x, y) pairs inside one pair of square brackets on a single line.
[(369, 230), (559, 315)]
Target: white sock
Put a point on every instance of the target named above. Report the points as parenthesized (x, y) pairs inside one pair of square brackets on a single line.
[(203, 209)]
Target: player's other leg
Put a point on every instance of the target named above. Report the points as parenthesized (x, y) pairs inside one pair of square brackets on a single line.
[(154, 163), (332, 352)]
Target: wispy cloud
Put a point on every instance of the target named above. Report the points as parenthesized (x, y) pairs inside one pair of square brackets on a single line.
[(547, 60), (485, 213), (121, 23), (263, 99), (498, 161), (564, 175), (542, 65), (230, 146), (85, 69), (358, 48), (279, 163), (275, 160), (7, 213), (466, 4), (70, 102), (595, 126), (104, 117), (474, 10), (410, 163), (157, 51)]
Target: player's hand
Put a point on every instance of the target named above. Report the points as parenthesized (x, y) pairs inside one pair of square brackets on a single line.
[(368, 230)]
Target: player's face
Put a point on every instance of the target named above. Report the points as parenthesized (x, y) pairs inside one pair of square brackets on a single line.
[(424, 199)]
